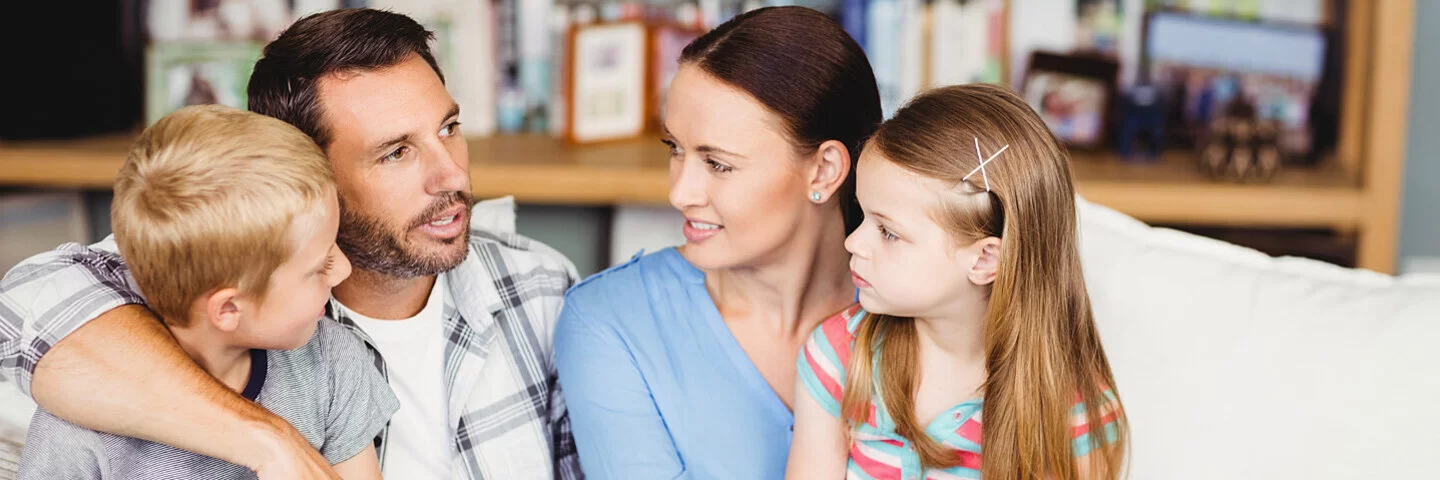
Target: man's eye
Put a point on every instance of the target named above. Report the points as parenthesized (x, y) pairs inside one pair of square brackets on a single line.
[(395, 155)]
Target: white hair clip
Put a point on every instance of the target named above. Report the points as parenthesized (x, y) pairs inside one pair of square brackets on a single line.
[(981, 168)]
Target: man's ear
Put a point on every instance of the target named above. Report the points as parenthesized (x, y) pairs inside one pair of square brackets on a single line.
[(832, 165), (987, 263), (223, 308)]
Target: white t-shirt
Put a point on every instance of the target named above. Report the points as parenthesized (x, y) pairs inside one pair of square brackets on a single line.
[(421, 441)]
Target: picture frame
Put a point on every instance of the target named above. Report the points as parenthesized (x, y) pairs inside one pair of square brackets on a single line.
[(1074, 94), (182, 74), (606, 84), (1208, 62), (667, 41)]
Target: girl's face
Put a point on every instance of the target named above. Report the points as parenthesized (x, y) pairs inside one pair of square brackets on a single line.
[(905, 263), (734, 174)]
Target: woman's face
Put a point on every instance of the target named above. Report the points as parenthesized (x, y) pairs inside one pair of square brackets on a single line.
[(734, 174)]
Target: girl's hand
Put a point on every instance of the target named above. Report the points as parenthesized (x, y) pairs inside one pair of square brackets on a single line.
[(819, 449)]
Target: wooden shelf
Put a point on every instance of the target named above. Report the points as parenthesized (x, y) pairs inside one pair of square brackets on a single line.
[(1174, 190), (539, 169)]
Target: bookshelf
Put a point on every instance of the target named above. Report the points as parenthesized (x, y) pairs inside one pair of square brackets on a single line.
[(1355, 192), (540, 169)]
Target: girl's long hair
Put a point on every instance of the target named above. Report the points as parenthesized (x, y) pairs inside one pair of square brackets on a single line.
[(1042, 351)]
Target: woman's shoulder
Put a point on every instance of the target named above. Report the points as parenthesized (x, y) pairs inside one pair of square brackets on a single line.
[(634, 286), (628, 276)]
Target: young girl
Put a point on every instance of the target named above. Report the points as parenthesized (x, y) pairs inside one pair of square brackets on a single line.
[(972, 299)]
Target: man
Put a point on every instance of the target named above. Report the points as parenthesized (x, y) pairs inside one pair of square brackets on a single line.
[(458, 320)]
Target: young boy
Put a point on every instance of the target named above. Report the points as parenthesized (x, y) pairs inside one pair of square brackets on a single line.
[(227, 220)]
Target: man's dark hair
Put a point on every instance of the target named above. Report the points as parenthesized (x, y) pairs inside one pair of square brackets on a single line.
[(284, 83)]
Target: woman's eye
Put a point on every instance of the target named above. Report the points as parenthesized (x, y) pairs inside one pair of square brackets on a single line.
[(718, 167)]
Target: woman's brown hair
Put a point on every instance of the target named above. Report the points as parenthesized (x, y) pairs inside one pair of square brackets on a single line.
[(1042, 351)]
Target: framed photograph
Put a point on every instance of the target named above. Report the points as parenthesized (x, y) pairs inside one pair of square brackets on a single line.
[(1210, 62), (666, 43), (1099, 25), (606, 82), (1073, 94), (178, 75)]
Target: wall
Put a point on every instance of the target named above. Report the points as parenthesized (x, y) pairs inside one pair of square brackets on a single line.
[(1420, 220)]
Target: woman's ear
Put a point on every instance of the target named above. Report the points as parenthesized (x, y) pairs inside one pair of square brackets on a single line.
[(832, 165), (987, 263)]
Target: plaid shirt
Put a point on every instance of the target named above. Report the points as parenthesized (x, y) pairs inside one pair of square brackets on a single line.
[(509, 419)]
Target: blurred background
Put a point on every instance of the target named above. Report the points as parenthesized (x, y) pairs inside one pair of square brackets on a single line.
[(1288, 126)]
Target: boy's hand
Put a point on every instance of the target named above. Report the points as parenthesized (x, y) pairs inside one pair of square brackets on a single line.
[(291, 457)]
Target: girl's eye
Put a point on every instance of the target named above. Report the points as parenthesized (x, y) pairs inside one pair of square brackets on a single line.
[(674, 149), (885, 234)]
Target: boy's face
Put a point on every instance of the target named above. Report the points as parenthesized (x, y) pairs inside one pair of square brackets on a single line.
[(300, 287), (402, 169)]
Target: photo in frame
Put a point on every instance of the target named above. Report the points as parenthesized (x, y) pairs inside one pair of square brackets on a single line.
[(606, 82), (178, 75), (1212, 62), (1073, 94)]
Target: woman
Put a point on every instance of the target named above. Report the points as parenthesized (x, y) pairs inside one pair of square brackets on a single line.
[(682, 362)]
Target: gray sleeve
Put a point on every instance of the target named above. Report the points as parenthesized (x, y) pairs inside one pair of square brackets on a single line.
[(50, 295), (59, 450), (361, 402)]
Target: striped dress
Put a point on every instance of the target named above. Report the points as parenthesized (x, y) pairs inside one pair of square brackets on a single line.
[(879, 453)]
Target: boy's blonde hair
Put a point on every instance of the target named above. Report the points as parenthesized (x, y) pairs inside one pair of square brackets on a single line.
[(205, 201)]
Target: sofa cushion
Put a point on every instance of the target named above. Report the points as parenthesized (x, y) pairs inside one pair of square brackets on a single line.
[(1231, 362)]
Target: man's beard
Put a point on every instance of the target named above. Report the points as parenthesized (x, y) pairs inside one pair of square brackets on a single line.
[(374, 246)]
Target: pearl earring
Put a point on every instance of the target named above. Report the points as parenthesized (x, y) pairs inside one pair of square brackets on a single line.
[(815, 196)]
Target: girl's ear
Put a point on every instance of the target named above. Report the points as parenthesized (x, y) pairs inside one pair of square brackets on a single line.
[(987, 263)]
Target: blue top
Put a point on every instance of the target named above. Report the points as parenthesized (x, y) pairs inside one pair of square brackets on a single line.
[(656, 384)]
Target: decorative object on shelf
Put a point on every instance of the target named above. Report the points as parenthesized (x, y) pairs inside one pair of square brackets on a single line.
[(1072, 93), (178, 75), (1241, 147), (666, 42), (1208, 62), (605, 78), (1141, 135)]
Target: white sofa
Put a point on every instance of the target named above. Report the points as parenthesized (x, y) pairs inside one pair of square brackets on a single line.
[(1233, 364)]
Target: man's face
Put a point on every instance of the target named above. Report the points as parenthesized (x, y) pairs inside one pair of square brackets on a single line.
[(402, 169)]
